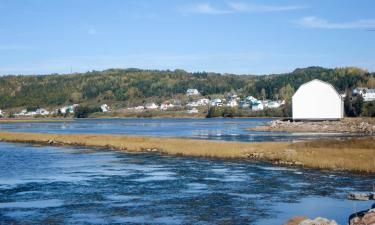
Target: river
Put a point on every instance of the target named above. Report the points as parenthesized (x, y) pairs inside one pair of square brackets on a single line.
[(66, 185)]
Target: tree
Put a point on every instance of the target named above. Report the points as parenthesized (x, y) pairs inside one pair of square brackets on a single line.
[(358, 105), (263, 94), (286, 92)]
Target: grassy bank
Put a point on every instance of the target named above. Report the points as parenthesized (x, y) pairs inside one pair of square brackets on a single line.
[(352, 154)]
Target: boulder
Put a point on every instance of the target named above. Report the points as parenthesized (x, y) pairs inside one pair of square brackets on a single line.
[(361, 196), (318, 221), (295, 220)]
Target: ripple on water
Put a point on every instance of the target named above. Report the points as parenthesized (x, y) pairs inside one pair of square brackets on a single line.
[(38, 204)]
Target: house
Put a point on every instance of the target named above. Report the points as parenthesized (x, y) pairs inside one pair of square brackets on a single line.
[(42, 112), (191, 92), (193, 110), (203, 101), (244, 104), (273, 105), (166, 105), (257, 105), (68, 109), (151, 105), (216, 102), (317, 100), (232, 103), (366, 93), (1, 113), (104, 108), (250, 99)]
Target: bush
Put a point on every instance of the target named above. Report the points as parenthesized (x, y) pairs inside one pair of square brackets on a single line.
[(85, 111), (369, 109)]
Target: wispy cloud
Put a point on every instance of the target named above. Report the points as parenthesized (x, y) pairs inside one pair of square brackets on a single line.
[(315, 22), (238, 7), (245, 7)]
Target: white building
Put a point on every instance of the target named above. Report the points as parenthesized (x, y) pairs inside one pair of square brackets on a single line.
[(151, 105), (166, 105), (273, 105), (367, 94), (1, 113), (317, 100), (190, 92), (232, 103), (257, 105), (42, 112), (203, 101), (216, 102), (104, 108)]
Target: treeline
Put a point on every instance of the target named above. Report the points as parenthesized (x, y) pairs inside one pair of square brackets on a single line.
[(133, 86)]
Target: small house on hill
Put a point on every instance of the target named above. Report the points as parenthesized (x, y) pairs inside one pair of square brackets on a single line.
[(317, 100)]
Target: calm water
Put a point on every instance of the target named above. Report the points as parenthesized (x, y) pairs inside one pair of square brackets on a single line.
[(211, 129), (55, 185)]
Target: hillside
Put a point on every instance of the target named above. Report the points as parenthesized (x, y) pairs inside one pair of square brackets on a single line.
[(133, 86)]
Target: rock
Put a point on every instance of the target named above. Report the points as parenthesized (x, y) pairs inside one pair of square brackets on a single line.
[(318, 221), (361, 196), (295, 220), (51, 142), (363, 218)]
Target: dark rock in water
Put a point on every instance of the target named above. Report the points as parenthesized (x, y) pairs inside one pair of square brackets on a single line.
[(302, 220), (362, 196)]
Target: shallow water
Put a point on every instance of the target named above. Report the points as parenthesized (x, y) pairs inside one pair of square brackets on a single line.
[(208, 129), (45, 185)]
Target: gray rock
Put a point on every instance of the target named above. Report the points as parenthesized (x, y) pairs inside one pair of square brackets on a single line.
[(318, 221), (361, 196)]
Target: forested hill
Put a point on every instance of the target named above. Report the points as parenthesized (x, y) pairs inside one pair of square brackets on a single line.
[(134, 85)]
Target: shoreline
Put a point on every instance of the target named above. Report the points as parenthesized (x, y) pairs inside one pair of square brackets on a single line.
[(365, 126), (354, 154)]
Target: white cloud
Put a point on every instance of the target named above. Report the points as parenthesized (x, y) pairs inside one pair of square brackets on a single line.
[(315, 22), (238, 7), (244, 7), (205, 8)]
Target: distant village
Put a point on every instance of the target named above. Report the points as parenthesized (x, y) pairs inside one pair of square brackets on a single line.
[(192, 107)]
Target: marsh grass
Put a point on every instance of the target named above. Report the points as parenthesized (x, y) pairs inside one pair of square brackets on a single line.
[(352, 154)]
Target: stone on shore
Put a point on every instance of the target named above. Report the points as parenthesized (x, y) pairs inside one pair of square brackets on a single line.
[(361, 196), (302, 220), (363, 218)]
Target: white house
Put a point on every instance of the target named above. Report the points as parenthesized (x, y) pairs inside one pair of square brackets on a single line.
[(232, 103), (151, 105), (166, 105), (317, 100), (1, 113), (367, 94), (216, 102), (104, 108), (190, 92), (257, 105)]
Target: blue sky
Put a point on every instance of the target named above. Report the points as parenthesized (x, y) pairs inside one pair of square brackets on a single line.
[(233, 36)]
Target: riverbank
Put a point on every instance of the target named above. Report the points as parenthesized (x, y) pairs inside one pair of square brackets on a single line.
[(346, 125), (351, 154)]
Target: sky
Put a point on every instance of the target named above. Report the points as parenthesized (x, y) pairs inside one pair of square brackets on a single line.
[(225, 36)]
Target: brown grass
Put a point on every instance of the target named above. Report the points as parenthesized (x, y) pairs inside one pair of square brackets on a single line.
[(352, 154)]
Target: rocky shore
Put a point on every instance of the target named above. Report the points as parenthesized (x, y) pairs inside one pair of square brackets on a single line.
[(347, 125)]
